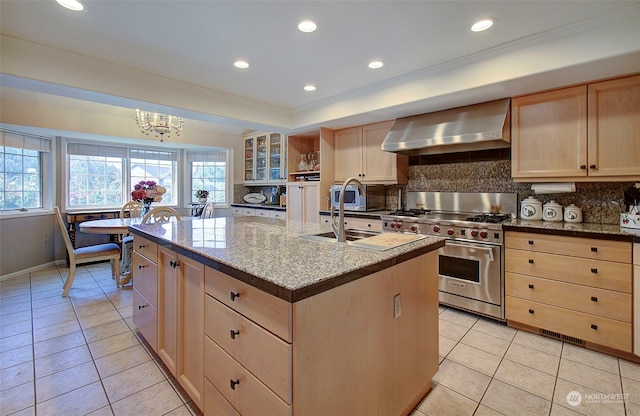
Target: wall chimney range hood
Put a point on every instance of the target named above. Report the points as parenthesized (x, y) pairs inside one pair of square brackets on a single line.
[(462, 129)]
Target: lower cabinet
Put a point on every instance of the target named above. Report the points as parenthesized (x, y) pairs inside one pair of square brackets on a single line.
[(145, 289), (303, 201), (373, 223), (575, 289), (181, 320)]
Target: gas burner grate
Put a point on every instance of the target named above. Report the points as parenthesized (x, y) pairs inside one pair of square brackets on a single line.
[(409, 212), (489, 218)]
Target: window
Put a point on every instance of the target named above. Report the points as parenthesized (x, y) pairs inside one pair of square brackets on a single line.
[(102, 176), (158, 166), (21, 167), (209, 172)]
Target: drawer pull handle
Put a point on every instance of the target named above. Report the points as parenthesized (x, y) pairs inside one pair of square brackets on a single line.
[(530, 286), (594, 326), (141, 306), (530, 242), (141, 246), (142, 266), (531, 311), (234, 383), (594, 249), (594, 270), (592, 167), (174, 264), (530, 261), (594, 298), (583, 167), (234, 333), (234, 295)]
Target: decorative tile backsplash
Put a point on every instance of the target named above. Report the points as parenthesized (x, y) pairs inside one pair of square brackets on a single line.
[(601, 202)]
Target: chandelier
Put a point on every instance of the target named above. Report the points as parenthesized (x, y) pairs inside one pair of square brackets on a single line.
[(160, 124)]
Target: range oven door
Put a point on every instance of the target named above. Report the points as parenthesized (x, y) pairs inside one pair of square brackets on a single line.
[(471, 270)]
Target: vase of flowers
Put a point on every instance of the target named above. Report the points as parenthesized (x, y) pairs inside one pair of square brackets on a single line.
[(202, 196), (147, 192)]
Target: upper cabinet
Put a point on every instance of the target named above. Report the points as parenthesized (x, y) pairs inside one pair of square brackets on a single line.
[(584, 133), (358, 154), (265, 159)]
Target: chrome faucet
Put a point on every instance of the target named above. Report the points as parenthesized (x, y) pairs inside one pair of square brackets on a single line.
[(338, 228)]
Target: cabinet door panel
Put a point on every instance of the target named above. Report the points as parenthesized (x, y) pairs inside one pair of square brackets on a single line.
[(145, 277), (549, 136), (606, 303), (348, 154), (145, 316), (377, 165), (591, 328), (167, 308), (614, 127)]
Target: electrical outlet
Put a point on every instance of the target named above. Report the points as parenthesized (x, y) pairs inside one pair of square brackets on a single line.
[(397, 309)]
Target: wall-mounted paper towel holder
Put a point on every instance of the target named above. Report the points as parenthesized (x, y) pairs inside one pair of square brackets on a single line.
[(553, 187)]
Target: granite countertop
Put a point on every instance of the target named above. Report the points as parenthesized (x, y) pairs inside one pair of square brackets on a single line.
[(580, 229), (269, 254), (273, 207)]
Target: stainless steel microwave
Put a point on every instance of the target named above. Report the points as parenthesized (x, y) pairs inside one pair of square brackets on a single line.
[(372, 200)]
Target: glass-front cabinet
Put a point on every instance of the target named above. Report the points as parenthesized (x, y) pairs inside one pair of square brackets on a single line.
[(265, 160)]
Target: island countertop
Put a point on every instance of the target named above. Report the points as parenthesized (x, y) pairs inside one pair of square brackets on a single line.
[(269, 254)]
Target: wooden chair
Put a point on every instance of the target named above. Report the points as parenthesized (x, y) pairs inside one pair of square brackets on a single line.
[(98, 252), (133, 208), (160, 214), (207, 211)]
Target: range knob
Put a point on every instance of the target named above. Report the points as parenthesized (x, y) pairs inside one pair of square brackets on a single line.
[(392, 225), (474, 233), (414, 228), (436, 229), (483, 234), (450, 231)]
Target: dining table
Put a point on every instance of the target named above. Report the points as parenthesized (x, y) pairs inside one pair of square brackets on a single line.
[(114, 226)]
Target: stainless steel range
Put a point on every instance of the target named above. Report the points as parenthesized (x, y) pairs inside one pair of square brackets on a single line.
[(471, 264)]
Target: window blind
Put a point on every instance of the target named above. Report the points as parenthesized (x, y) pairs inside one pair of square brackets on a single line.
[(22, 141), (220, 156), (153, 154), (90, 149)]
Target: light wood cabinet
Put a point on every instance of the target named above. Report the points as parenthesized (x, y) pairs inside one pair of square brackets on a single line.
[(265, 160), (181, 320), (264, 355), (636, 298), (361, 223), (145, 289), (583, 133), (303, 201), (580, 289), (358, 154)]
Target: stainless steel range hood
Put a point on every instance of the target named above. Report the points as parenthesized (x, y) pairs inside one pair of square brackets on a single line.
[(474, 127)]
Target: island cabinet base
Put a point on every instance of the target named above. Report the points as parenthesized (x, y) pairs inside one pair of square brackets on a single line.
[(368, 347)]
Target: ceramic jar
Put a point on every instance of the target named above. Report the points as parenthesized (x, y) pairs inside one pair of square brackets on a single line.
[(572, 213), (531, 209), (552, 211)]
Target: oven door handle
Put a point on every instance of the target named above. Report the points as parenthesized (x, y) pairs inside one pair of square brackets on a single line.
[(489, 250)]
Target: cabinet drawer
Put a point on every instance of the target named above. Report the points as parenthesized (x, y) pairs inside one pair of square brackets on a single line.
[(265, 355), (606, 303), (591, 328), (145, 277), (262, 213), (602, 274), (145, 316), (618, 251), (147, 248), (278, 214), (215, 403), (92, 216), (245, 392), (266, 310)]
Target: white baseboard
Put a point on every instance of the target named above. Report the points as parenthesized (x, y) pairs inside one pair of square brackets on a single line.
[(32, 269)]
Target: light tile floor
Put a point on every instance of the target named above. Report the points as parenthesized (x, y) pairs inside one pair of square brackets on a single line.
[(82, 355)]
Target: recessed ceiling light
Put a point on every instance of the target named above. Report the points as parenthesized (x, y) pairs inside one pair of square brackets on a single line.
[(376, 64), (241, 64), (482, 25), (307, 26), (75, 5), (309, 87)]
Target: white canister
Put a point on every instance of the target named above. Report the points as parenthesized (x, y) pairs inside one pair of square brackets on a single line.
[(552, 211), (572, 213), (531, 209)]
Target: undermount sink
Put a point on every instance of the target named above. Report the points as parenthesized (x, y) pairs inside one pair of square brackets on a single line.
[(365, 238), (351, 234)]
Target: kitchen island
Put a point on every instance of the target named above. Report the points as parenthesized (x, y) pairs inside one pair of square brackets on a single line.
[(253, 319)]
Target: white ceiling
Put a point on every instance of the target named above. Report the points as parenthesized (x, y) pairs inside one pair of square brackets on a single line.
[(193, 44)]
